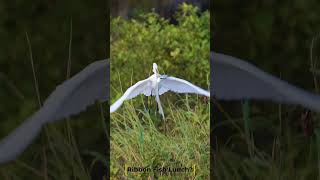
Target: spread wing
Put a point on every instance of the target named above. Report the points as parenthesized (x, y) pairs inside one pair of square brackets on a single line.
[(71, 97), (235, 79), (141, 87), (180, 86)]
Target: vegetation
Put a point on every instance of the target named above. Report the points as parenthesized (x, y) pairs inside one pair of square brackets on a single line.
[(140, 139), (58, 32), (260, 140), (181, 50), (138, 136)]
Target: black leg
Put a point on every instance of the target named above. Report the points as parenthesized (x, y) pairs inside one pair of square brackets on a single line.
[(149, 102), (157, 107)]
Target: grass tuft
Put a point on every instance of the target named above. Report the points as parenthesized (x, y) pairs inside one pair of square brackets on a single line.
[(139, 138)]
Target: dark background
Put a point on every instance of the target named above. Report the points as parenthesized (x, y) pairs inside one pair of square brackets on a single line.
[(166, 8), (276, 37), (48, 25)]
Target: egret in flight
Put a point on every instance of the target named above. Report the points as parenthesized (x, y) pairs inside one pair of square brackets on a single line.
[(157, 85), (232, 79)]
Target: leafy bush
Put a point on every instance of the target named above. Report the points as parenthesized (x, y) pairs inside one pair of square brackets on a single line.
[(180, 50)]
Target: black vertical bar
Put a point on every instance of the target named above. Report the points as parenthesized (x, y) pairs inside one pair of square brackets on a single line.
[(212, 137), (107, 119), (101, 170)]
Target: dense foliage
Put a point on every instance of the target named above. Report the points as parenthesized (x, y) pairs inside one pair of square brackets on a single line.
[(180, 50)]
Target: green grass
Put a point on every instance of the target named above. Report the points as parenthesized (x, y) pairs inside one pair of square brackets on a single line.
[(274, 153), (140, 138), (56, 153), (59, 153), (267, 142)]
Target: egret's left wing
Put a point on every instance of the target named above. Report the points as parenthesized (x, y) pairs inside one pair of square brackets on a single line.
[(69, 98), (180, 86), (141, 87)]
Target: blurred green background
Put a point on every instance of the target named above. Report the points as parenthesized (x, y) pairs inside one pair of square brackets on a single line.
[(49, 25), (262, 140)]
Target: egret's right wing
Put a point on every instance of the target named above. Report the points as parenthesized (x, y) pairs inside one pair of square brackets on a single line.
[(235, 79), (141, 87)]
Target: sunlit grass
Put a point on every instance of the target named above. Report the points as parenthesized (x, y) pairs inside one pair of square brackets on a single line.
[(139, 138)]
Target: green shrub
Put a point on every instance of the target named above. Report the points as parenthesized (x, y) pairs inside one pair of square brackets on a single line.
[(180, 50)]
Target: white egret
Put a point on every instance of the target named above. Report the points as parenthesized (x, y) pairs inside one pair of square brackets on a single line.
[(157, 85), (231, 79)]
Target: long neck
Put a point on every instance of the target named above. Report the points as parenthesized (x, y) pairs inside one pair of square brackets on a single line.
[(155, 71)]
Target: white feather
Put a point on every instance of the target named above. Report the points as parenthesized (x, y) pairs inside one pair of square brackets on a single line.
[(156, 85), (141, 87), (180, 86)]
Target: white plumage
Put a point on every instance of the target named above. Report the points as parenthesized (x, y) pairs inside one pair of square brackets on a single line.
[(157, 85)]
